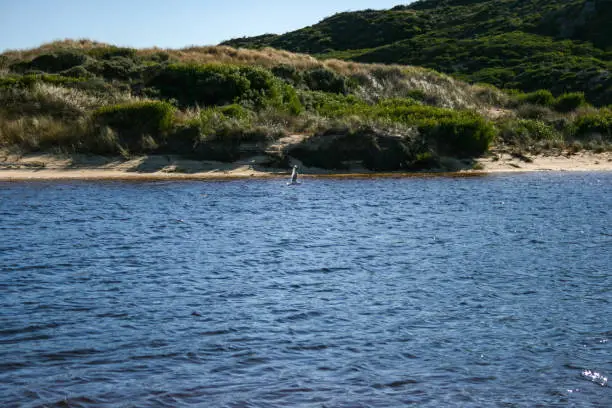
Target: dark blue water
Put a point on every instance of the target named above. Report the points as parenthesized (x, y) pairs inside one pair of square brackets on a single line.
[(471, 292)]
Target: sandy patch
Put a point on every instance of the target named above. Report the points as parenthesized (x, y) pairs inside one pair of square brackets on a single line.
[(582, 161), (44, 166)]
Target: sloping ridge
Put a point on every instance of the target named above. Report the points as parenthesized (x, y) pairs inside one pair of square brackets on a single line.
[(560, 45)]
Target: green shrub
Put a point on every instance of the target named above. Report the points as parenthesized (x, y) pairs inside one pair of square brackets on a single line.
[(205, 85), (220, 133), (417, 94), (112, 51), (121, 68), (160, 56), (53, 63), (397, 103), (219, 84), (133, 122), (569, 102), (288, 73), (290, 101), (11, 81), (526, 131), (542, 97), (77, 72), (236, 111), (28, 81), (321, 79), (465, 134), (598, 122), (225, 124), (331, 105), (263, 88), (530, 111)]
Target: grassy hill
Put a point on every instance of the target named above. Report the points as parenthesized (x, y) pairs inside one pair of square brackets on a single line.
[(559, 45), (222, 103)]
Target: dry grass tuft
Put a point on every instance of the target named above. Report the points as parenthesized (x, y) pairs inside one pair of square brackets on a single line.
[(37, 132)]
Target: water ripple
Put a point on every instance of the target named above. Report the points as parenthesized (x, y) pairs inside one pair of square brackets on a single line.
[(430, 292)]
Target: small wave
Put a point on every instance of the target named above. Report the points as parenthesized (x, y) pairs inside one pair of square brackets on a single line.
[(315, 347), (595, 377), (479, 380), (73, 402), (27, 338), (299, 316), (292, 390), (113, 315), (217, 332), (396, 384), (68, 354), (28, 329), (154, 356)]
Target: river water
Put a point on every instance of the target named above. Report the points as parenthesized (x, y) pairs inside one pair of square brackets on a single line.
[(472, 292)]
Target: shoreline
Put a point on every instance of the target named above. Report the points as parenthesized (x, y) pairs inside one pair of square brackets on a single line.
[(44, 166)]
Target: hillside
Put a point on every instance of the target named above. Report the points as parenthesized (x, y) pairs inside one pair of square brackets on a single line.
[(559, 45), (274, 107)]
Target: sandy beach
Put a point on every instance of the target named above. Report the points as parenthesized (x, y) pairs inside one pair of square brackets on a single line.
[(43, 166)]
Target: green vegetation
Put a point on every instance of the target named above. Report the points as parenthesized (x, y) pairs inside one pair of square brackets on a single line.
[(595, 124), (220, 103), (139, 125), (560, 45)]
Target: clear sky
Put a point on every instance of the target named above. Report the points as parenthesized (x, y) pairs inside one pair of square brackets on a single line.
[(162, 23)]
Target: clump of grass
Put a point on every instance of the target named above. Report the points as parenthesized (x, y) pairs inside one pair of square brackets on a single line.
[(526, 132), (139, 125), (575, 147), (537, 112), (34, 133)]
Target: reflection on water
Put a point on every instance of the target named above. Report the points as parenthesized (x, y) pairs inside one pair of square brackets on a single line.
[(471, 292)]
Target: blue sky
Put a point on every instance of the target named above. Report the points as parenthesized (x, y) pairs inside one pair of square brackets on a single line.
[(162, 23)]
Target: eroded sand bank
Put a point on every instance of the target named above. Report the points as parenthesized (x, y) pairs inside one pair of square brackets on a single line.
[(42, 166)]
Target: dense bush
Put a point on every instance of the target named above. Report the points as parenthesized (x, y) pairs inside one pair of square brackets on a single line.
[(541, 97), (463, 134), (109, 52), (77, 72), (25, 81), (289, 74), (526, 131), (594, 123), (120, 68), (52, 63), (331, 105), (320, 79), (205, 85), (570, 101), (219, 84), (135, 121)]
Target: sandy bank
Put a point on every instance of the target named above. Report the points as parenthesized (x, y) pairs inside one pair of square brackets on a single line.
[(43, 166)]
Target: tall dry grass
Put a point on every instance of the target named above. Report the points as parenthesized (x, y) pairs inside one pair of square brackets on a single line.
[(33, 133), (58, 101)]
